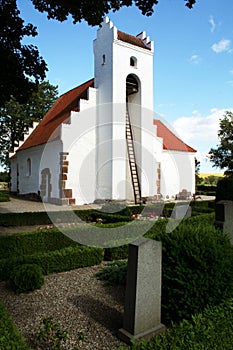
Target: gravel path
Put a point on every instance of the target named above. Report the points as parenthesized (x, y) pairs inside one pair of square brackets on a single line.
[(75, 299)]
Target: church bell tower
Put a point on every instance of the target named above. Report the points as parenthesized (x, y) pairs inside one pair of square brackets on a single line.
[(125, 132)]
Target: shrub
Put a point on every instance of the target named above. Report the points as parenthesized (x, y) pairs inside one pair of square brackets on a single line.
[(10, 337), (197, 270), (4, 196), (51, 335), (210, 330), (196, 267), (26, 278), (33, 242), (114, 273), (55, 261), (224, 189)]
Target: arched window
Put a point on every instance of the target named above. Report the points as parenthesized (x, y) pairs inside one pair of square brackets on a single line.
[(103, 59), (133, 61), (29, 167)]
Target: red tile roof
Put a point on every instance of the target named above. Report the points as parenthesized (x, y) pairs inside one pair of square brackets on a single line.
[(57, 114), (170, 141), (48, 128), (130, 39)]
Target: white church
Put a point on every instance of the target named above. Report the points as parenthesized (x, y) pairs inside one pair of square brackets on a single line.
[(102, 140)]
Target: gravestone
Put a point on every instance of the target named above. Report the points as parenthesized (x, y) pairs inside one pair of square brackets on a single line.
[(142, 313), (181, 211), (224, 217)]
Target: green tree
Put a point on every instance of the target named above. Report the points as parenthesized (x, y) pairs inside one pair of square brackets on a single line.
[(93, 11), (222, 156), (21, 67), (198, 179), (16, 118)]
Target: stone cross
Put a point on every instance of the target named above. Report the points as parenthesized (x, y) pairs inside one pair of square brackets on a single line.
[(142, 313)]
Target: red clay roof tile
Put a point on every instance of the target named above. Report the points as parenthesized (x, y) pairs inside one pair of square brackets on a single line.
[(130, 39), (48, 130), (170, 141)]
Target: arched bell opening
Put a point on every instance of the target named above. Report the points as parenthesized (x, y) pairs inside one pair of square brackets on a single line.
[(133, 137), (132, 85)]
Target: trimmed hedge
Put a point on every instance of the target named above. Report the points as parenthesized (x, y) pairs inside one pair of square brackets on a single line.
[(42, 218), (55, 261), (4, 196), (224, 189), (121, 252), (33, 242), (197, 267), (26, 278), (10, 337), (210, 330)]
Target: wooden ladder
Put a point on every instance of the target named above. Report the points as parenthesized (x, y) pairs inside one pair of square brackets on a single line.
[(132, 161)]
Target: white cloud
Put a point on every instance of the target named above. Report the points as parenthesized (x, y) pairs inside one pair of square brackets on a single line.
[(212, 24), (222, 46), (195, 59), (200, 132), (198, 128), (231, 71)]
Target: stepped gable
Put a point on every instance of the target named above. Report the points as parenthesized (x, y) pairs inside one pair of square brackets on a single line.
[(58, 113), (133, 40), (170, 141)]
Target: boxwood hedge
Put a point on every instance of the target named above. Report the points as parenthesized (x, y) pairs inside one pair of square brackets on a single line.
[(55, 261), (210, 330), (10, 337)]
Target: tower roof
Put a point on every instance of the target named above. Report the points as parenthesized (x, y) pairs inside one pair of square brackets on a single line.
[(133, 40)]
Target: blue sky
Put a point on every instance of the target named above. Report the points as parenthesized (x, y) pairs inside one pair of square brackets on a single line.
[(193, 61)]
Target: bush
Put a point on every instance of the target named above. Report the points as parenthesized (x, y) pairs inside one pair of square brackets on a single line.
[(114, 273), (26, 278), (55, 261), (10, 337), (33, 242), (224, 189), (196, 267), (4, 196), (210, 330)]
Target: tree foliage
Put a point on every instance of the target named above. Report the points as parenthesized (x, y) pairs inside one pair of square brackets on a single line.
[(93, 11), (16, 118), (222, 156), (21, 66)]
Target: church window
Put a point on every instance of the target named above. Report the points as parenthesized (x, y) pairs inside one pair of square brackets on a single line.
[(133, 61), (29, 167)]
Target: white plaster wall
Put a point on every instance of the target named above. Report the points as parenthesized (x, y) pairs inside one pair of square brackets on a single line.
[(79, 140), (177, 173), (110, 79), (42, 156), (13, 163), (29, 183), (51, 159)]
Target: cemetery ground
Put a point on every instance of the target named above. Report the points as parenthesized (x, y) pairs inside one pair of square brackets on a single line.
[(81, 310)]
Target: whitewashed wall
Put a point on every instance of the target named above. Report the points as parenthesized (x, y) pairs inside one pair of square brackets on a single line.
[(177, 173), (50, 158), (79, 140), (110, 80)]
